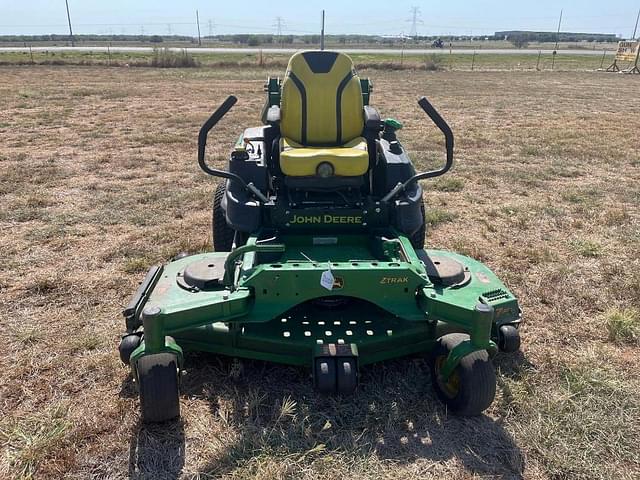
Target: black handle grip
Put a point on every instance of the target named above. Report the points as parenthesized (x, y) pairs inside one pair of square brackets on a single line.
[(204, 131), (202, 146), (448, 137), (440, 122)]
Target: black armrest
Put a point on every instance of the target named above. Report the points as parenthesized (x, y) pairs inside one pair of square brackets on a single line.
[(372, 119), (273, 114)]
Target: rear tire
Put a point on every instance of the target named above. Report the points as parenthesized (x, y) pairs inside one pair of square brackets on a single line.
[(417, 239), (158, 386), (222, 233), (471, 387)]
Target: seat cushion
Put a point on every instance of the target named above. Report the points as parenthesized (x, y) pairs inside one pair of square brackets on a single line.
[(348, 160)]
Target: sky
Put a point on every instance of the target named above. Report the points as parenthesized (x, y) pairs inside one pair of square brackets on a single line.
[(380, 17)]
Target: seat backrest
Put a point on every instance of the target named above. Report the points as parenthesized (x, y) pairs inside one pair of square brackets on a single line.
[(321, 101)]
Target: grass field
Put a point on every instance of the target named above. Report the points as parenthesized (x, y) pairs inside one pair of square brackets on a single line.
[(98, 181), (443, 60)]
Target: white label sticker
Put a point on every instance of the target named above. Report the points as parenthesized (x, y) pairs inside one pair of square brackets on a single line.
[(326, 280)]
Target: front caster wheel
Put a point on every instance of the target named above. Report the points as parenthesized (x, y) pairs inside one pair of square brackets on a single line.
[(127, 345), (324, 375), (471, 387), (347, 376), (508, 339), (158, 385)]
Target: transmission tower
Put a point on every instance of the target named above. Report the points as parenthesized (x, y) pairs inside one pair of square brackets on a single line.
[(168, 29), (415, 20), (279, 24), (210, 27)]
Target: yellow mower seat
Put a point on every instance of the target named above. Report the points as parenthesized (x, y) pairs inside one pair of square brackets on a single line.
[(322, 116), (348, 160)]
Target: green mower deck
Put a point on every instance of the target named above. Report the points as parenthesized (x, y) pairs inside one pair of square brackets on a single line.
[(288, 327)]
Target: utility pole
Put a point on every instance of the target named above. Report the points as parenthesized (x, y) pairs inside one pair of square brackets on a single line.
[(279, 23), (636, 27), (415, 13), (322, 33), (69, 20), (558, 32), (555, 49), (198, 23)]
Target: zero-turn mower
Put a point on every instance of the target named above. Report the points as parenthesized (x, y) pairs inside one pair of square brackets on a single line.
[(319, 257)]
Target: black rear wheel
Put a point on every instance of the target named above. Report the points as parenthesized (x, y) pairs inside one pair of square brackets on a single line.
[(471, 387), (158, 386), (417, 239), (222, 233)]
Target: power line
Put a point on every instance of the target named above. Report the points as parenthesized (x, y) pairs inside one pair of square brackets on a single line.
[(378, 26)]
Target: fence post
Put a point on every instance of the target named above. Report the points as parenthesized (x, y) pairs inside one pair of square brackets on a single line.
[(604, 52), (473, 60), (31, 54)]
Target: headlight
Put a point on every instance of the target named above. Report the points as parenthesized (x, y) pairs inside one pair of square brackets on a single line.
[(324, 170)]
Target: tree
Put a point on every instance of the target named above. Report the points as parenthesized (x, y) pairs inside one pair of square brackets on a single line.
[(240, 38), (519, 41)]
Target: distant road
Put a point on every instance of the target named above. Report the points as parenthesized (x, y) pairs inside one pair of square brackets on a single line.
[(389, 51)]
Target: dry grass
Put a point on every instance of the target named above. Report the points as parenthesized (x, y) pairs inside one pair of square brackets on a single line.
[(165, 58), (98, 180)]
